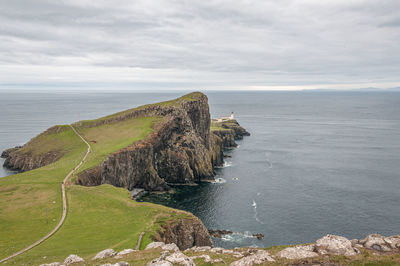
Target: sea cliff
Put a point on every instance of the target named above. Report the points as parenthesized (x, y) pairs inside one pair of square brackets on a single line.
[(184, 148)]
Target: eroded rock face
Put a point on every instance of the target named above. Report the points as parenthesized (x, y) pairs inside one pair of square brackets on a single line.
[(178, 151), (334, 245), (185, 233), (22, 159)]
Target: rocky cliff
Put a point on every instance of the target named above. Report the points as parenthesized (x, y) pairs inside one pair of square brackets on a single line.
[(185, 233), (180, 150), (25, 158)]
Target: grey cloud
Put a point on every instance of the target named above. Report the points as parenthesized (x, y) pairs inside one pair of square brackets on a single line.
[(269, 42)]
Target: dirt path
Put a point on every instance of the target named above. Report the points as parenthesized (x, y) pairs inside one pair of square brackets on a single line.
[(64, 214)]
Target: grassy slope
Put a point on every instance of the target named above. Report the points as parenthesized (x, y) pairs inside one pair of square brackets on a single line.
[(98, 218)]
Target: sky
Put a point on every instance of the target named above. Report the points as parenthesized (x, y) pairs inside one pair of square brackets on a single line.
[(208, 45)]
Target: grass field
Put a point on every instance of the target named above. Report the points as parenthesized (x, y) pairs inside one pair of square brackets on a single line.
[(98, 217)]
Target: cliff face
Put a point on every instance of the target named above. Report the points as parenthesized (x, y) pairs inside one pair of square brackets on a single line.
[(182, 149), (185, 233), (178, 151), (25, 158)]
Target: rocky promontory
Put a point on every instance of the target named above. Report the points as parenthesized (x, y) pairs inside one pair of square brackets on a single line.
[(183, 148)]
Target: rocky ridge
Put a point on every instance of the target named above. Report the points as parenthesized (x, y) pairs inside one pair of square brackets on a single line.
[(328, 250)]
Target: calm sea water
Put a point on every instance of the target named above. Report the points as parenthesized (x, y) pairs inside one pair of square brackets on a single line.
[(316, 162)]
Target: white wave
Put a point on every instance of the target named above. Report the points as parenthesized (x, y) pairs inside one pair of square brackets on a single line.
[(227, 164), (256, 213), (220, 180)]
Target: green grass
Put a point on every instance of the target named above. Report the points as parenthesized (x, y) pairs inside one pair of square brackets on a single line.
[(188, 97), (98, 217), (30, 202), (101, 217), (217, 126), (108, 138)]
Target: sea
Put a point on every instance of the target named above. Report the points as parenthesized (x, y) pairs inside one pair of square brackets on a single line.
[(316, 163)]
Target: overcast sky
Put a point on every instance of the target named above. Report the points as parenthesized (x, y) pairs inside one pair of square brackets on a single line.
[(205, 44)]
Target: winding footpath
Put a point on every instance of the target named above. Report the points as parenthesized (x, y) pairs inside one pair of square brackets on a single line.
[(64, 198)]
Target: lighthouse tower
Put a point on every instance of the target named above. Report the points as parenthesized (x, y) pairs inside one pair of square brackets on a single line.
[(232, 116)]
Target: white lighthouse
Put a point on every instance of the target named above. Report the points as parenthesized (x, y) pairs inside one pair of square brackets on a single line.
[(232, 116)]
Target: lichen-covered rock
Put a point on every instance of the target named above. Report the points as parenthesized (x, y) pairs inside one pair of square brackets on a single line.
[(259, 257), (199, 249), (381, 243), (73, 259), (180, 258), (185, 233), (334, 245), (158, 262), (124, 252), (157, 244), (105, 254), (51, 264), (298, 252), (120, 263)]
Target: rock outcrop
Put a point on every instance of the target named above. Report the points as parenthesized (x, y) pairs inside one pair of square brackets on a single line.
[(24, 158), (182, 149), (185, 233)]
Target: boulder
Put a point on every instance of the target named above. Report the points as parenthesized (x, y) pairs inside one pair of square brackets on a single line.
[(121, 263), (51, 264), (298, 252), (72, 259), (157, 262), (155, 245), (180, 258), (199, 249), (124, 252), (170, 247), (334, 245), (105, 254), (259, 257), (381, 243)]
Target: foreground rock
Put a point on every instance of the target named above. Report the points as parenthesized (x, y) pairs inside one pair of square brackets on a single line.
[(381, 243), (298, 252), (259, 257), (73, 259), (334, 245), (105, 254)]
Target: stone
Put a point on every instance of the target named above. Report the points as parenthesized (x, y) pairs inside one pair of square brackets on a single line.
[(298, 252), (354, 242), (51, 264), (180, 258), (105, 254), (217, 250), (124, 252), (199, 249), (393, 241), (378, 243), (155, 245), (72, 259), (157, 262), (259, 257), (121, 263), (170, 247), (334, 245)]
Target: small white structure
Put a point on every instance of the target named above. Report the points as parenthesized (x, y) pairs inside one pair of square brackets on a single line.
[(226, 118)]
